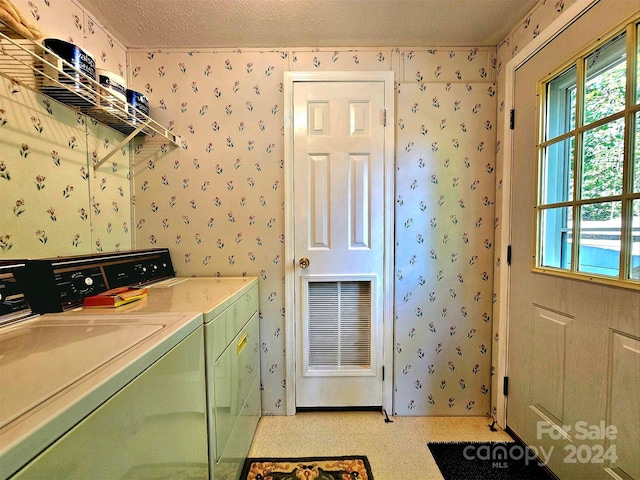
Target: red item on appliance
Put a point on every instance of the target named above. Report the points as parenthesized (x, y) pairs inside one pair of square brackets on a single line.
[(115, 297)]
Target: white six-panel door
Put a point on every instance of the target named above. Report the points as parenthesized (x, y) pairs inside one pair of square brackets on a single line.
[(339, 188)]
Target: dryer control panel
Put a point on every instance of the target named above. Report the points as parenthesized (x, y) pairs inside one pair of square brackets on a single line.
[(135, 272)]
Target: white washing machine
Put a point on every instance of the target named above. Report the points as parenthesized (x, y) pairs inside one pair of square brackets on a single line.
[(99, 396)]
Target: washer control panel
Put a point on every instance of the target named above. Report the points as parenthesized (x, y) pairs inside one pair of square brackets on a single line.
[(56, 285)]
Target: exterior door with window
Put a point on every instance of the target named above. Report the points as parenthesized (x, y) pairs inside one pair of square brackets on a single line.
[(339, 192), (574, 328)]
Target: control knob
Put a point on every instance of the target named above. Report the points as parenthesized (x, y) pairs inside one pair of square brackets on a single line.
[(81, 284)]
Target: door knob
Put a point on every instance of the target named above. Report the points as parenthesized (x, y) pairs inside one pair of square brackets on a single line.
[(304, 262)]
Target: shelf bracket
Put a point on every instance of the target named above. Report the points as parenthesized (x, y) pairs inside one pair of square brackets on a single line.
[(120, 145)]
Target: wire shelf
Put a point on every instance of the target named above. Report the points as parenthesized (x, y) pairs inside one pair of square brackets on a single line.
[(29, 64)]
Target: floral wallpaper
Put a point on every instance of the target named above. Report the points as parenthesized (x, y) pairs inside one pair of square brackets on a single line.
[(445, 188), (217, 200), (53, 201), (540, 17), (448, 65), (350, 59)]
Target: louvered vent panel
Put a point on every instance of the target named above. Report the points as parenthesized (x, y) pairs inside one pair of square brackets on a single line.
[(339, 324)]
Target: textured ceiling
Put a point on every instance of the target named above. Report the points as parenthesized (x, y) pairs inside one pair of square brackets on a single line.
[(307, 23)]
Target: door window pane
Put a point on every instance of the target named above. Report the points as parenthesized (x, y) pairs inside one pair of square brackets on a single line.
[(606, 80), (588, 165), (635, 241), (602, 160), (561, 100), (600, 238), (557, 172), (556, 237)]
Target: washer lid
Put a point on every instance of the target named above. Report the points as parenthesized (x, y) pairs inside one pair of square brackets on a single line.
[(44, 360), (69, 365)]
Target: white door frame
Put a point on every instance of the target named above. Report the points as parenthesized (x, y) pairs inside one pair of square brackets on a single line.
[(290, 78), (546, 36)]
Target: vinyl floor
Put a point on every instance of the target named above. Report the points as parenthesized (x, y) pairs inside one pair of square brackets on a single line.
[(396, 450)]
